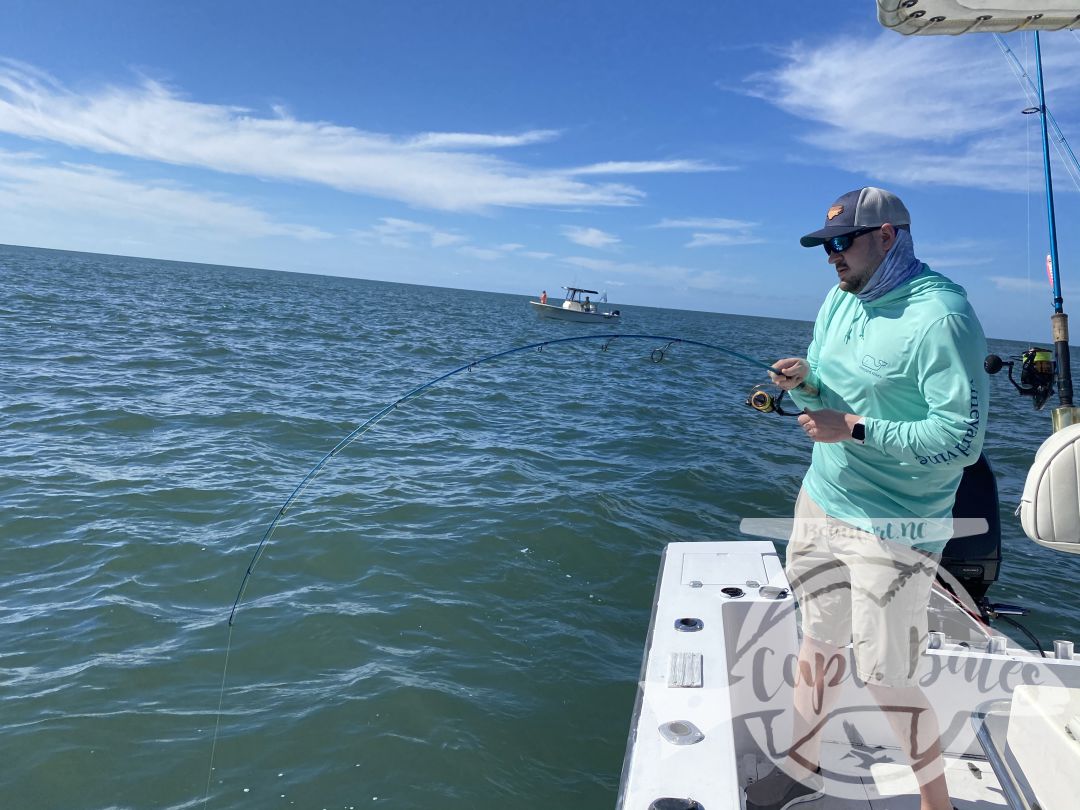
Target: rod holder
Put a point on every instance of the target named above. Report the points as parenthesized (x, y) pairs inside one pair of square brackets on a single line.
[(1064, 416), (1059, 329), (1063, 650)]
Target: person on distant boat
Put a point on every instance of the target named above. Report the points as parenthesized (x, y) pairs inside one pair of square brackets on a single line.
[(543, 296), (587, 306), (895, 401)]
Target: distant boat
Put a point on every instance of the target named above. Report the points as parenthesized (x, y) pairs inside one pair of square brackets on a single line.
[(577, 306)]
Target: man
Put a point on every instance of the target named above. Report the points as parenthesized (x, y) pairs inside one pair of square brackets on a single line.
[(895, 401)]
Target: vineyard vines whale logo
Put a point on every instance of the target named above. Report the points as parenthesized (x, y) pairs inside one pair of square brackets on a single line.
[(872, 365)]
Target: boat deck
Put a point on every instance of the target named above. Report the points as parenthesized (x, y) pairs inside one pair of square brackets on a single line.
[(891, 785), (715, 700)]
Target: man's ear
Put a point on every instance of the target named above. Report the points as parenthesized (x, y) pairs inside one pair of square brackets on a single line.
[(888, 236)]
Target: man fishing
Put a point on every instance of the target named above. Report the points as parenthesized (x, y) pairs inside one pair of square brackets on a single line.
[(895, 402)]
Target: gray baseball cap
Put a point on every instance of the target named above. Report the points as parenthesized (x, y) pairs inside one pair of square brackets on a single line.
[(867, 207)]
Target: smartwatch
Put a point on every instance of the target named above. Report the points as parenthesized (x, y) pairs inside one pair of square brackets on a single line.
[(858, 431)]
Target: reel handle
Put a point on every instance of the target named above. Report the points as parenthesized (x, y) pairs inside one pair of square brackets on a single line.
[(993, 364)]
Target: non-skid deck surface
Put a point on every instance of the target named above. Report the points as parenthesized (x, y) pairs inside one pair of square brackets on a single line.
[(891, 786)]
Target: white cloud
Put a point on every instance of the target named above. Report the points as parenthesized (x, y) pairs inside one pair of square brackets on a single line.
[(712, 239), (915, 111), (668, 276), (705, 223), (879, 87), (410, 234), (714, 231), (405, 233), (939, 262), (442, 239), (956, 253), (1037, 284), (28, 184), (1011, 284), (649, 167), (484, 254), (590, 237), (591, 264), (151, 121), (473, 140)]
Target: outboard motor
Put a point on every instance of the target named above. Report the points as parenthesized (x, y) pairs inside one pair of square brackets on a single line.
[(976, 559)]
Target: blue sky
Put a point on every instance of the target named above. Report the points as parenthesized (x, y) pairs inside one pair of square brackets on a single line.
[(669, 153)]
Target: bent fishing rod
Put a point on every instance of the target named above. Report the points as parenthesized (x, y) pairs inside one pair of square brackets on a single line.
[(657, 356)]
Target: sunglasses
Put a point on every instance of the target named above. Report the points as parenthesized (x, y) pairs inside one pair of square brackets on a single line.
[(838, 244)]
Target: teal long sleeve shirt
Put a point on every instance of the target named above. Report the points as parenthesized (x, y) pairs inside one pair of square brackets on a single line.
[(911, 362)]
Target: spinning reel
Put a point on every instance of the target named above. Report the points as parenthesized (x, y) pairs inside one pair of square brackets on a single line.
[(766, 402), (1037, 372)]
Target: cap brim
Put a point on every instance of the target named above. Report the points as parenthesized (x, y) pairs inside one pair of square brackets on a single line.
[(818, 237)]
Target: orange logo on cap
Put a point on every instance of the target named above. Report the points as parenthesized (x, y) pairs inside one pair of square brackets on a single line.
[(834, 212)]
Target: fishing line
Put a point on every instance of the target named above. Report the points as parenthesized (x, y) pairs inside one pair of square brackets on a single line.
[(657, 355)]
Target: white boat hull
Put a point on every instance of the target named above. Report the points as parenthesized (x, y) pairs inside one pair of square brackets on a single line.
[(566, 314)]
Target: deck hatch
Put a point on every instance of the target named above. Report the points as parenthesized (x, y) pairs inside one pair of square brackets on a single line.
[(685, 670), (723, 569)]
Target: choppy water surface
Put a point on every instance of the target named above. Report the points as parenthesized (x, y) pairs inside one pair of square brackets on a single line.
[(452, 616)]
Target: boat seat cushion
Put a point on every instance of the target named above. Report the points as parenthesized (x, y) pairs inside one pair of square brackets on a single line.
[(1050, 506)]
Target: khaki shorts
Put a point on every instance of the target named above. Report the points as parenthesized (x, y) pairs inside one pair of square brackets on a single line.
[(855, 588)]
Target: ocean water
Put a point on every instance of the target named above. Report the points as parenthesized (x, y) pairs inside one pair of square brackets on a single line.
[(451, 616)]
